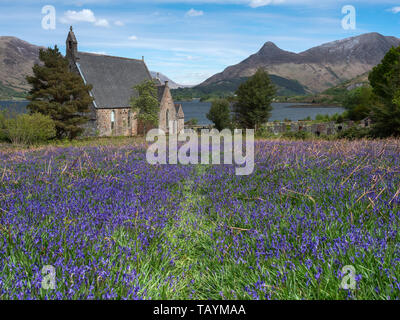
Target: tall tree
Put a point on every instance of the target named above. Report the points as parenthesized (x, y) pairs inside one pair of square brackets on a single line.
[(220, 114), (359, 103), (385, 81), (253, 101), (145, 105), (59, 93)]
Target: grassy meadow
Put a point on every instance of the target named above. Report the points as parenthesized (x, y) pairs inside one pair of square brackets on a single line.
[(115, 227)]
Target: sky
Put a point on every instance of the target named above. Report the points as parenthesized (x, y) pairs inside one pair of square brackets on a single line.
[(188, 40)]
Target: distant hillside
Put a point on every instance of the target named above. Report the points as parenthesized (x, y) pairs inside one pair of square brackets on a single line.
[(318, 68), (331, 96), (8, 93), (225, 88), (17, 58)]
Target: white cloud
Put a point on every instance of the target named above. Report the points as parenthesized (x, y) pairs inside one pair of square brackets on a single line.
[(395, 9), (194, 13), (262, 3), (98, 52), (133, 38), (85, 15), (119, 23), (102, 23)]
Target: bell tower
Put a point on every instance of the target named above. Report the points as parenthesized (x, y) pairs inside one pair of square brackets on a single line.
[(71, 45)]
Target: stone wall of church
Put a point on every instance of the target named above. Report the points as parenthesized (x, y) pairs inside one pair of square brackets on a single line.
[(181, 125), (167, 104), (123, 124)]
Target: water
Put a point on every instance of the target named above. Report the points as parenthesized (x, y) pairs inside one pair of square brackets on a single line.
[(13, 107), (281, 111), (198, 110)]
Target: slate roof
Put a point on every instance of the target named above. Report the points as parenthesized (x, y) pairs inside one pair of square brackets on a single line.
[(160, 91), (112, 78)]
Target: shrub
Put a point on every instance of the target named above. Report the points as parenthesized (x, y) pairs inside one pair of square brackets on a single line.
[(298, 135), (354, 133), (3, 132), (30, 129), (192, 122)]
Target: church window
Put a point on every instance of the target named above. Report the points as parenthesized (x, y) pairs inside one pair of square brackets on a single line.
[(112, 120)]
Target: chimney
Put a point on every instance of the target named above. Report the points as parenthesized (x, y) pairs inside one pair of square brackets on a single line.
[(166, 83), (142, 58)]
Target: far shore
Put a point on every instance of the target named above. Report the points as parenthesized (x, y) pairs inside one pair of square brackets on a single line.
[(313, 105)]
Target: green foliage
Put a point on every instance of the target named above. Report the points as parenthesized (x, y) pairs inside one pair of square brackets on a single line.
[(385, 81), (359, 103), (30, 129), (337, 117), (146, 105), (192, 122), (298, 135), (354, 133), (3, 126), (59, 93), (254, 97), (220, 114)]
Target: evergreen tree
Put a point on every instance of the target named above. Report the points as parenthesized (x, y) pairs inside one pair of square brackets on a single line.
[(253, 101), (385, 81), (59, 93), (220, 114), (146, 105)]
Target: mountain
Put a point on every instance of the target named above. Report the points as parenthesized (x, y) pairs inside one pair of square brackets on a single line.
[(163, 78), (17, 58), (318, 68)]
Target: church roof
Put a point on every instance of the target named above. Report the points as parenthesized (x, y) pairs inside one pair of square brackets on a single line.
[(112, 78)]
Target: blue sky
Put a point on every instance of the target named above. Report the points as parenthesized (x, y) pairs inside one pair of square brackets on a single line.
[(191, 40)]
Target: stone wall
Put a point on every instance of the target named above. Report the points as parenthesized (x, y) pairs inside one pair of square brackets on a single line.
[(181, 124), (167, 103), (122, 125), (323, 128)]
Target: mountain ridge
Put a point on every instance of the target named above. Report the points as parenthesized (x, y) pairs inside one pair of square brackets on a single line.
[(317, 68)]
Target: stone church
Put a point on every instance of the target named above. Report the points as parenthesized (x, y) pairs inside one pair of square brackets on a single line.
[(113, 79)]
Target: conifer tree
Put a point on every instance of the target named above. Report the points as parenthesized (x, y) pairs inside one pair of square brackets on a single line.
[(59, 93)]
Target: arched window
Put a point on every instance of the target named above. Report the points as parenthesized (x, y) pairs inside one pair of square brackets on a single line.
[(112, 120), (167, 119), (129, 118)]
